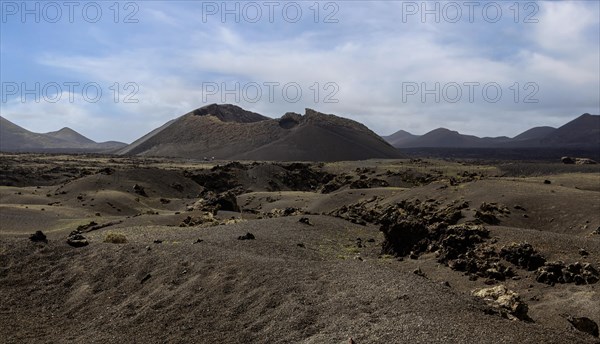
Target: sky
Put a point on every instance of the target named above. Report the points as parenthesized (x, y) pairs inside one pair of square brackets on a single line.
[(117, 70)]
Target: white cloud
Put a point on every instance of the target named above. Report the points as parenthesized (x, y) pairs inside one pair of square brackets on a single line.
[(564, 26), (44, 116), (369, 59)]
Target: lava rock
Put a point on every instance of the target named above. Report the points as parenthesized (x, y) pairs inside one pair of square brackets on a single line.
[(38, 236), (106, 171), (584, 324), (75, 239), (214, 202), (419, 272), (247, 236), (367, 183), (402, 236), (487, 217), (87, 226), (522, 255), (558, 272), (206, 218), (302, 177), (138, 189), (306, 221), (407, 224), (289, 211)]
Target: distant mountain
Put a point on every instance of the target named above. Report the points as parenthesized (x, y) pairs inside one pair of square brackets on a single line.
[(399, 138), (534, 133), (230, 132), (14, 138), (70, 135), (582, 132), (443, 137)]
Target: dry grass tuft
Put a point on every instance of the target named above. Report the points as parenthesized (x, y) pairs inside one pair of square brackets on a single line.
[(115, 238)]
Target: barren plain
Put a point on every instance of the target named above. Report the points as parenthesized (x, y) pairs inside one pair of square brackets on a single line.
[(142, 250)]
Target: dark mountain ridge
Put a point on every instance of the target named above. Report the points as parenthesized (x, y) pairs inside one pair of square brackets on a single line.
[(582, 132), (14, 138)]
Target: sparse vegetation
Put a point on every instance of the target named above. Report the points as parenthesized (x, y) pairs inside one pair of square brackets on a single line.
[(115, 238)]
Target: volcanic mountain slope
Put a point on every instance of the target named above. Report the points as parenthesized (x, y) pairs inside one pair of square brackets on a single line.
[(230, 132), (534, 133), (582, 132), (14, 138)]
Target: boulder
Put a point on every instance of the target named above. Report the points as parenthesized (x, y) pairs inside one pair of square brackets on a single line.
[(214, 202), (585, 161), (505, 301), (567, 160), (577, 161)]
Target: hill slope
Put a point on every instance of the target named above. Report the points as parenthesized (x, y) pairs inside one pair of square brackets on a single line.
[(534, 133), (582, 131), (230, 132)]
